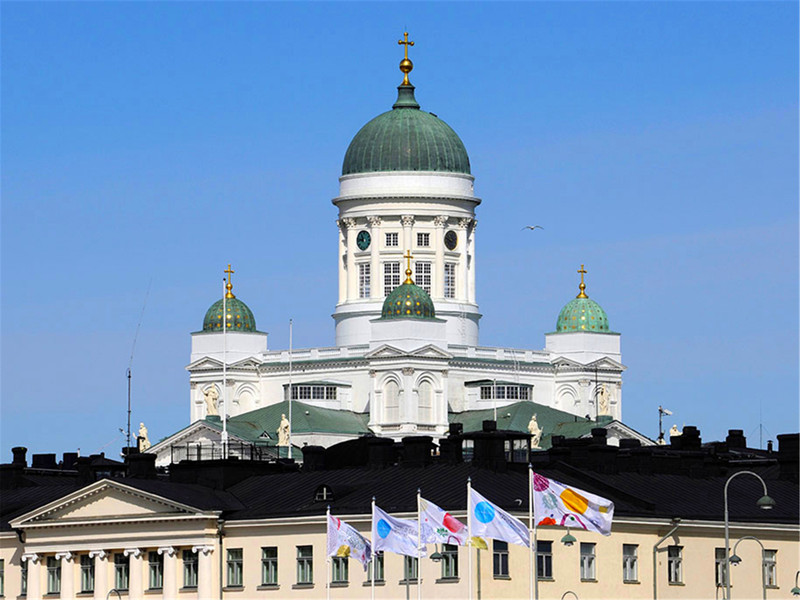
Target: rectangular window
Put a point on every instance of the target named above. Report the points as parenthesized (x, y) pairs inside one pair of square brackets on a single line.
[(122, 571), (391, 277), (587, 562), (23, 572), (505, 392), (340, 571), (410, 568), (392, 240), (155, 570), (305, 564), (87, 573), (770, 568), (235, 566), (53, 575), (376, 567), (544, 560), (313, 392), (2, 577), (422, 275), (189, 569), (449, 280), (269, 565), (500, 558), (330, 392), (720, 571), (449, 561), (423, 239), (674, 564), (363, 280), (630, 562)]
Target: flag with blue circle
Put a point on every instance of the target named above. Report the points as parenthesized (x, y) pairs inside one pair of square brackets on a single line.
[(391, 534), (490, 521)]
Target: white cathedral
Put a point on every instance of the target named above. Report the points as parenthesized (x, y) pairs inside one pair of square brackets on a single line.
[(407, 359)]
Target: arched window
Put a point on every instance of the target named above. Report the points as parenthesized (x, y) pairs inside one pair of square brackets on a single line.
[(391, 396), (425, 393), (323, 493)]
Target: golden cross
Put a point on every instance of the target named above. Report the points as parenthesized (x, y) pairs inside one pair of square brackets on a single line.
[(408, 257), (406, 42), (229, 286), (582, 286)]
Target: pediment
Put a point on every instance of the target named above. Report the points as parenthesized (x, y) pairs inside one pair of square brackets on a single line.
[(386, 351), (566, 362), (204, 364), (431, 351), (607, 363), (104, 500), (251, 363)]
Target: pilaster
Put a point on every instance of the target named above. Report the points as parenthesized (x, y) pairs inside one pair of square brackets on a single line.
[(67, 573), (35, 575), (170, 586), (408, 222), (437, 290), (205, 572), (101, 586), (375, 290), (136, 580)]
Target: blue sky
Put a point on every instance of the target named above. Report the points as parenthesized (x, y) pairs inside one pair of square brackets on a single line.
[(149, 144)]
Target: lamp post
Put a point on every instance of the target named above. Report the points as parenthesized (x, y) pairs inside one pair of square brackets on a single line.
[(764, 503), (735, 560), (796, 589), (564, 595)]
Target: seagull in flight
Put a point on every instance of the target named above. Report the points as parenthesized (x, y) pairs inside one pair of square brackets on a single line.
[(532, 227)]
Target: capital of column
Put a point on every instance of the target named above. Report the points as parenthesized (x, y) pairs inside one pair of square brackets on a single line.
[(168, 550), (374, 221), (135, 552), (407, 220), (408, 370), (204, 548), (440, 221), (465, 223), (66, 555), (101, 554), (349, 222), (30, 556)]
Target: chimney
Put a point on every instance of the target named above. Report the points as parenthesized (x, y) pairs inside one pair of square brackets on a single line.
[(788, 455), (599, 436), (690, 438), (417, 451), (69, 460), (380, 452), (19, 456), (629, 443), (44, 461), (736, 439), (313, 458), (84, 466), (450, 449), (489, 447), (141, 466), (489, 426)]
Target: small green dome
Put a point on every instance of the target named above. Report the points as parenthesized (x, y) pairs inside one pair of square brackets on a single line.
[(408, 301), (406, 139), (582, 314), (240, 317)]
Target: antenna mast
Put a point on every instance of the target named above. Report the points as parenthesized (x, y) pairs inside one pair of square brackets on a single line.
[(130, 362)]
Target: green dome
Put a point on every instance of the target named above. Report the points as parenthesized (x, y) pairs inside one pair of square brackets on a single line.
[(582, 314), (406, 139), (408, 301), (240, 317)]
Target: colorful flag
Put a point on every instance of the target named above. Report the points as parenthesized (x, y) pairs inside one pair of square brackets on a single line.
[(439, 527), (344, 540), (391, 534), (491, 521), (557, 504)]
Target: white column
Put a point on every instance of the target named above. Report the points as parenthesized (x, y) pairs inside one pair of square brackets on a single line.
[(462, 284), (136, 576), (437, 289), (407, 222), (67, 574), (170, 586), (340, 260), (472, 296), (34, 575), (101, 586), (407, 404), (205, 572), (352, 273), (375, 256)]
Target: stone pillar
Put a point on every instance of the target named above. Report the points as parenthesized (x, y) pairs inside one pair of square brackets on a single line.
[(341, 261), (375, 256), (437, 285), (136, 585), (462, 279), (205, 572), (170, 589), (34, 575), (67, 573), (351, 276), (408, 409), (101, 586), (407, 222), (471, 295)]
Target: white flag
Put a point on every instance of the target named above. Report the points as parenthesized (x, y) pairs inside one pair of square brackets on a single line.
[(344, 540), (395, 535), (439, 527), (557, 504), (491, 521)]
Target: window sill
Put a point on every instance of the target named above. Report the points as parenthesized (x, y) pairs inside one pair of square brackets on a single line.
[(52, 595), (551, 579), (269, 586), (340, 584), (378, 582), (678, 583), (153, 591), (632, 581), (588, 580), (303, 586), (448, 580), (233, 588), (188, 588), (503, 577), (85, 594), (407, 582)]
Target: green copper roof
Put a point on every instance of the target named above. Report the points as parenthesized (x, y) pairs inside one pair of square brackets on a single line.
[(582, 314), (240, 317), (408, 301), (406, 139)]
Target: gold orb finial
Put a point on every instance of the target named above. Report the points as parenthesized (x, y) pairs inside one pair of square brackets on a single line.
[(408, 258), (406, 65), (582, 286), (229, 285)]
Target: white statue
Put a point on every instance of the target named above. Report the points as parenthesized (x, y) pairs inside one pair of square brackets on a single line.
[(674, 431), (602, 400), (535, 431), (211, 396), (142, 439), (283, 432)]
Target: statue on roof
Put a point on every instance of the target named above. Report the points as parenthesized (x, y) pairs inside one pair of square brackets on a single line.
[(603, 397), (143, 441), (535, 431), (283, 431), (211, 396), (674, 431)]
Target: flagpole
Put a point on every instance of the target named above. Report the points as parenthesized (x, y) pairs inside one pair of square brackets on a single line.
[(419, 553), (289, 449), (225, 369), (534, 575), (469, 532), (374, 552), (328, 558)]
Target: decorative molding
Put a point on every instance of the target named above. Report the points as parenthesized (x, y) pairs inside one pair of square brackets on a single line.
[(349, 222), (339, 224), (374, 221), (204, 548), (464, 223), (135, 552), (407, 220), (65, 554), (408, 371), (101, 554), (440, 221), (372, 373), (30, 556), (169, 550)]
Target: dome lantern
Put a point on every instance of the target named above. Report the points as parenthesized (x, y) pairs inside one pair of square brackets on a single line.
[(582, 313), (239, 317), (408, 301)]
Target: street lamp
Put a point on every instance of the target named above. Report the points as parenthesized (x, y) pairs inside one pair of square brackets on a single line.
[(795, 589), (764, 503), (568, 539), (564, 595), (735, 560)]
